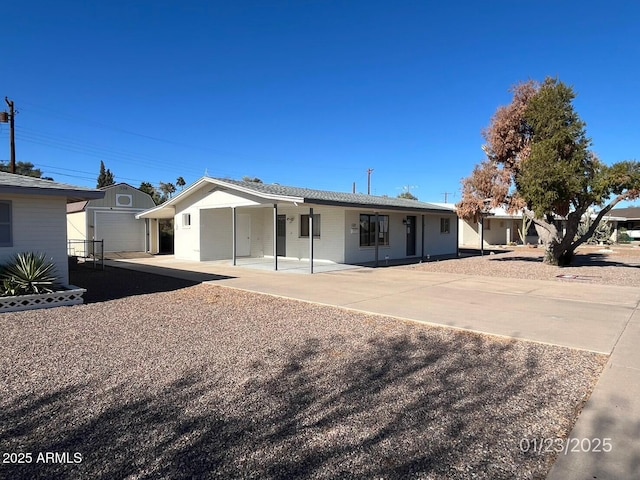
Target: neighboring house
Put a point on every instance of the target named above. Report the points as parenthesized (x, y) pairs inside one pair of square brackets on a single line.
[(112, 219), (32, 218), (219, 219), (629, 219), (498, 227)]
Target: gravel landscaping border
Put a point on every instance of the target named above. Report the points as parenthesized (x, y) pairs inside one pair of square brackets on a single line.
[(619, 265), (208, 382)]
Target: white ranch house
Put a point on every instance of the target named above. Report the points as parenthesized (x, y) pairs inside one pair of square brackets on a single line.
[(33, 218), (219, 219)]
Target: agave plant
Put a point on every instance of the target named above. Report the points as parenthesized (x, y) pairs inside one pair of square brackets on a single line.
[(28, 273)]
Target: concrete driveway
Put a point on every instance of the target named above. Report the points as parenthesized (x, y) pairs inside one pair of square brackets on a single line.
[(598, 318)]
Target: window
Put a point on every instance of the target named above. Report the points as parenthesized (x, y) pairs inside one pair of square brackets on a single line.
[(304, 225), (123, 200), (6, 237), (368, 230), (487, 224), (186, 219), (445, 225)]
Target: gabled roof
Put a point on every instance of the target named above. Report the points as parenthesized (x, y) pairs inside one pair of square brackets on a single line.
[(324, 197), (21, 185), (280, 193)]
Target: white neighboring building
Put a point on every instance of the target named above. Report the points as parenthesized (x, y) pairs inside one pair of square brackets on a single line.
[(112, 219), (33, 218), (499, 227)]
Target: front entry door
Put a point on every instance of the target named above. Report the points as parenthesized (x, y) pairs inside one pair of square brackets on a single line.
[(243, 245), (281, 235), (411, 235)]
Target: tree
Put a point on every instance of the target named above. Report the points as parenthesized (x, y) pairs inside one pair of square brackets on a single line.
[(538, 161), (408, 195), (181, 183), (149, 189), (106, 177), (167, 189), (26, 169)]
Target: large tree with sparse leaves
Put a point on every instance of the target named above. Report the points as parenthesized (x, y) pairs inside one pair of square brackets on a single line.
[(538, 161)]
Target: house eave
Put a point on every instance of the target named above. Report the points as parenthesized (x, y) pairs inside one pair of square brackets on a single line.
[(70, 194), (380, 207)]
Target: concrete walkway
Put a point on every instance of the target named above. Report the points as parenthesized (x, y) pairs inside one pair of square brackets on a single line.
[(598, 318)]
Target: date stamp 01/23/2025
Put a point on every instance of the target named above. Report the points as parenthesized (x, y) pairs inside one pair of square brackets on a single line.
[(17, 458), (566, 445)]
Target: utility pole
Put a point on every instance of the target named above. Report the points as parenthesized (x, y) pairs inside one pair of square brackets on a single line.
[(12, 116), (369, 172), (446, 195)]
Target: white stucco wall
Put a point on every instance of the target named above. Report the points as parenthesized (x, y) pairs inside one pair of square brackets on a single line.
[(39, 225), (397, 238), (437, 243), (216, 240), (187, 238), (330, 245), (77, 226)]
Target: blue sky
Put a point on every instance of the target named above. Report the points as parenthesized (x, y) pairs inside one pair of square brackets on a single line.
[(306, 93)]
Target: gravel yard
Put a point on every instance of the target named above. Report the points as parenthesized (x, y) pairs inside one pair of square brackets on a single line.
[(619, 266), (204, 381)]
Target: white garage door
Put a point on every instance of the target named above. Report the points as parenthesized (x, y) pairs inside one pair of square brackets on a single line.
[(120, 231)]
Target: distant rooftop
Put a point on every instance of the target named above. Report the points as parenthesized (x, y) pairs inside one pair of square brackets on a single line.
[(630, 213)]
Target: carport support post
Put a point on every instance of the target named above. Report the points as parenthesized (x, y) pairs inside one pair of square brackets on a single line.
[(481, 235), (457, 235), (233, 230), (376, 231), (275, 236), (311, 240), (422, 237)]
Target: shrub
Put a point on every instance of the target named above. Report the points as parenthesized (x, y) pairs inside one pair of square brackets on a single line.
[(28, 273), (623, 236)]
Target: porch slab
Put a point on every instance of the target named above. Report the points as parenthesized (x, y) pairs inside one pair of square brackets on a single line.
[(287, 265)]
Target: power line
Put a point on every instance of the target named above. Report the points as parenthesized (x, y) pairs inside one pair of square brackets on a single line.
[(86, 121), (74, 118)]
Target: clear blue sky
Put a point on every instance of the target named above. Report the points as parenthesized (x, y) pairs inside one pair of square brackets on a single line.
[(303, 92)]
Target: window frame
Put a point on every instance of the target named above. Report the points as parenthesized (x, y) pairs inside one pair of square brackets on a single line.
[(9, 223), (383, 220), (445, 225), (304, 223)]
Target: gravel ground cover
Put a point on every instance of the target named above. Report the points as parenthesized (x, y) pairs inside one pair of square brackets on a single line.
[(618, 266), (209, 382)]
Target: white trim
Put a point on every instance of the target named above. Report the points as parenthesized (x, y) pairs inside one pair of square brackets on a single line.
[(117, 209)]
